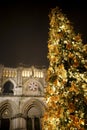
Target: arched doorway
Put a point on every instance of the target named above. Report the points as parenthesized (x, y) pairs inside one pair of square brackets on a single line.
[(33, 110), (33, 119), (6, 111), (8, 88), (5, 120)]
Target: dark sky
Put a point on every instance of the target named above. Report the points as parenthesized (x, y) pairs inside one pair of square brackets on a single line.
[(24, 29)]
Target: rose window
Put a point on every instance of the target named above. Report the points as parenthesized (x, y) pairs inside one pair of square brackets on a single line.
[(33, 86)]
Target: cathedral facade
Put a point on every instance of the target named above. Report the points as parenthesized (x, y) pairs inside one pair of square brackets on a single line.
[(22, 102)]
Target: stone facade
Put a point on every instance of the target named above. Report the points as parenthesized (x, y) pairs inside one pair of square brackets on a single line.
[(22, 102)]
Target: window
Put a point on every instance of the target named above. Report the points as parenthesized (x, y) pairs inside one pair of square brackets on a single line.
[(8, 88)]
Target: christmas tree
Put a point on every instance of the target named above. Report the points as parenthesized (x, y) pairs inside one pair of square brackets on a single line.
[(66, 91)]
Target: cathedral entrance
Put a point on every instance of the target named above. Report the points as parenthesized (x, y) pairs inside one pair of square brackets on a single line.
[(5, 115), (33, 118), (5, 124)]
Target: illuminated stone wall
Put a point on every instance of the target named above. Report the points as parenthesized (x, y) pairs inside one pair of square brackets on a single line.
[(22, 96)]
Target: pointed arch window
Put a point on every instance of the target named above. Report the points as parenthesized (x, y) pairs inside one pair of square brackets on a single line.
[(8, 88)]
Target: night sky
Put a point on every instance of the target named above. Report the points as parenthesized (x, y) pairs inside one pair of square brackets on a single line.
[(24, 29)]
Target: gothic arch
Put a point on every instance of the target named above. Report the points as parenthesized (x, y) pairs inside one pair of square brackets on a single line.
[(9, 107), (33, 103), (8, 86), (10, 80)]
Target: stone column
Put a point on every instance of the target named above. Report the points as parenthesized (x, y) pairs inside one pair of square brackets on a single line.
[(14, 123), (33, 123), (22, 123), (40, 123), (19, 76)]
